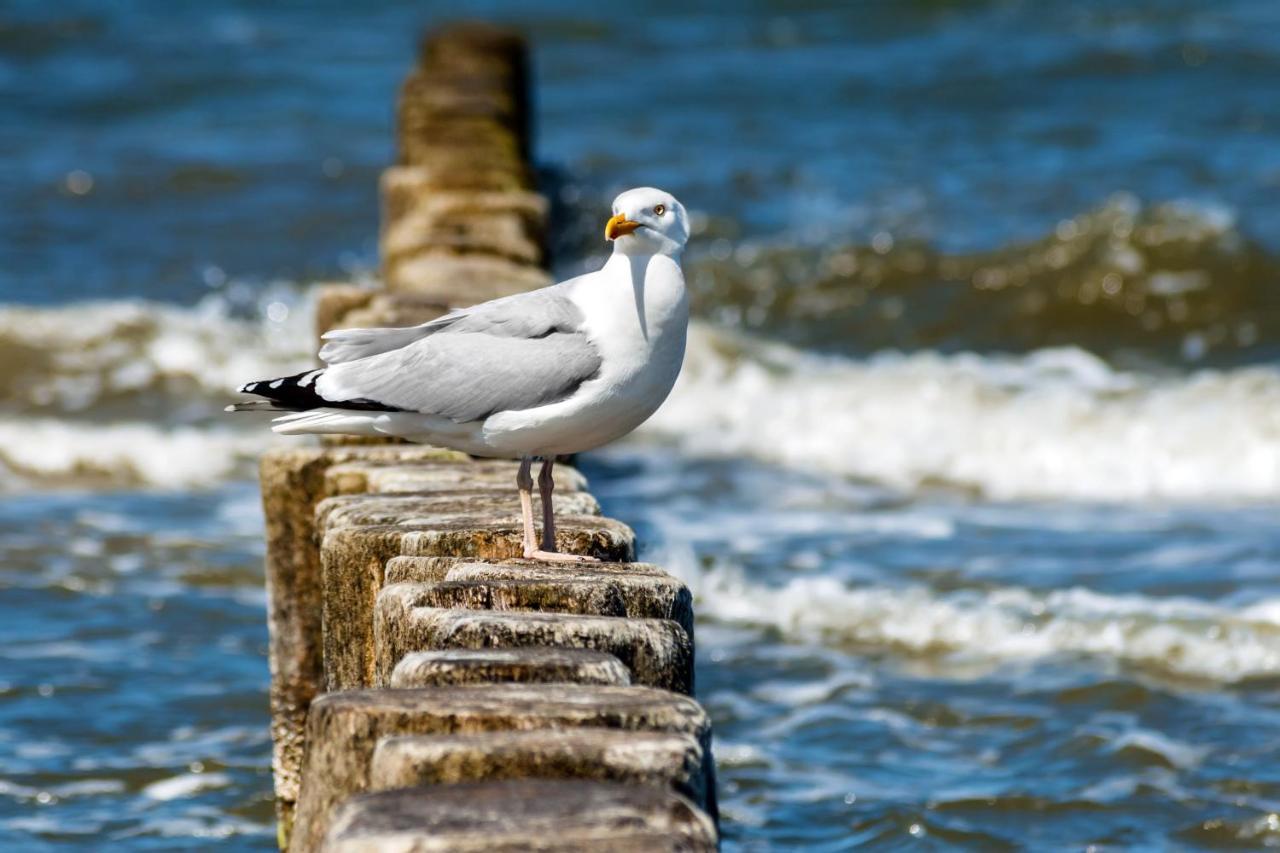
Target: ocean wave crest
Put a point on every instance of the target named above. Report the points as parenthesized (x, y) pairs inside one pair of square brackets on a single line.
[(1051, 424), (47, 452), (1175, 636), (128, 353), (129, 393), (106, 392)]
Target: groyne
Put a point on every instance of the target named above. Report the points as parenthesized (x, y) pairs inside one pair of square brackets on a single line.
[(429, 688)]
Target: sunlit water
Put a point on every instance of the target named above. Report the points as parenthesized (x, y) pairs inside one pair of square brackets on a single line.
[(973, 468), (882, 666)]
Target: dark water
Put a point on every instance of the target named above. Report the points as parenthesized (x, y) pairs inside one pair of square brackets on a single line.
[(974, 466), (132, 712)]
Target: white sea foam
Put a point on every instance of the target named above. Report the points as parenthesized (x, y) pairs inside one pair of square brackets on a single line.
[(1181, 755), (1056, 423), (185, 785), (73, 357), (1053, 424), (125, 371), (51, 451), (1177, 636)]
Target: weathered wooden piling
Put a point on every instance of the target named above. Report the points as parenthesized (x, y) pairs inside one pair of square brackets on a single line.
[(542, 815), (528, 665), (345, 727), (430, 689), (673, 759)]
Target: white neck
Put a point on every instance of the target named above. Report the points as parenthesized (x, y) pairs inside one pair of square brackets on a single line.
[(656, 298), (647, 245)]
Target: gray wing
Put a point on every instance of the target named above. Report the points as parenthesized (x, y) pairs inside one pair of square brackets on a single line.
[(526, 314), (514, 353)]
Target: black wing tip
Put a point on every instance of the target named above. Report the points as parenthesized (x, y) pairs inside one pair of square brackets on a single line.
[(298, 393), (264, 387)]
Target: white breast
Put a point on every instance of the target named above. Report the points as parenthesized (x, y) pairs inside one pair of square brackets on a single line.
[(636, 312)]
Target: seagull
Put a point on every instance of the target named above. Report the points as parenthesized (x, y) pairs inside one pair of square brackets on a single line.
[(547, 373)]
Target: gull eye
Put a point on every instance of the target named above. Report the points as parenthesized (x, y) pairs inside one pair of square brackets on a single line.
[(659, 209)]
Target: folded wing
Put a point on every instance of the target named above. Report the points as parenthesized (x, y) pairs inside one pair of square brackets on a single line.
[(515, 353)]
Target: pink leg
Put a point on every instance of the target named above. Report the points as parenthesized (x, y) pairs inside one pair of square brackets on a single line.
[(548, 552), (524, 482)]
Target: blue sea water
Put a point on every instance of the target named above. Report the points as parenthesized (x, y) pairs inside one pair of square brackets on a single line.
[(974, 467)]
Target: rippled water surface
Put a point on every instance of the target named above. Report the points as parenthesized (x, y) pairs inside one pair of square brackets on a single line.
[(132, 703), (883, 666), (974, 466)]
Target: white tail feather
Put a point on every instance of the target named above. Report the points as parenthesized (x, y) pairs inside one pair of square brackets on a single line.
[(326, 422)]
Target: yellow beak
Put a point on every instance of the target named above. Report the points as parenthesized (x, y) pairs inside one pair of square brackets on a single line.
[(619, 226)]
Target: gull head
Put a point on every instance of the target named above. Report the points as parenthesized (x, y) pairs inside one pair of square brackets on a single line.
[(647, 221)]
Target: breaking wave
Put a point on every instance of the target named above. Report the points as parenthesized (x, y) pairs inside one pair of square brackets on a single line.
[(1176, 637), (52, 453), (1055, 423), (129, 393), (126, 357)]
